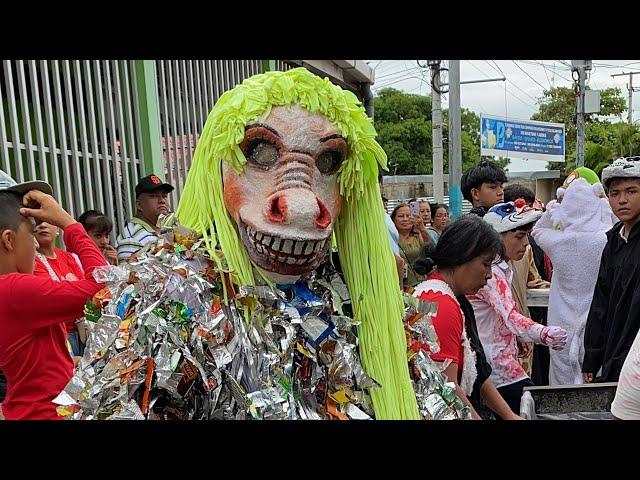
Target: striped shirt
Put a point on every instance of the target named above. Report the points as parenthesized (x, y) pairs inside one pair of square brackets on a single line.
[(136, 235)]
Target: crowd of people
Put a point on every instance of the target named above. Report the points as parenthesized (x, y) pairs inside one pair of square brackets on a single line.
[(44, 288), (583, 245)]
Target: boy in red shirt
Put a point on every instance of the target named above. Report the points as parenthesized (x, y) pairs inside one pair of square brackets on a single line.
[(33, 353)]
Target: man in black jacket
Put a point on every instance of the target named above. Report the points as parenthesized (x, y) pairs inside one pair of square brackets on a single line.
[(614, 316)]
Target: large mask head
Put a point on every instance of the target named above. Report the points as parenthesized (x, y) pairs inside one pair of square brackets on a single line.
[(286, 200), (284, 160)]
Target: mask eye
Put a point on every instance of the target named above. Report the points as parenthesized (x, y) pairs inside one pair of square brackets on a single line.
[(262, 153), (329, 162)]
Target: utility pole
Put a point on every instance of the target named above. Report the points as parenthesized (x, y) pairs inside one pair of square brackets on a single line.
[(436, 131), (631, 90), (438, 88), (455, 148), (581, 67)]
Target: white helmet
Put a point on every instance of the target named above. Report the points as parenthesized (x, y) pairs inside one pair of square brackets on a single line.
[(623, 167), (511, 215)]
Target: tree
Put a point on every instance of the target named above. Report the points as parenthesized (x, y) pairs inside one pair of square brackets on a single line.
[(403, 123), (558, 105)]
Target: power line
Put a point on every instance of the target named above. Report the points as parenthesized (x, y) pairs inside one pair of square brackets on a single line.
[(510, 81), (510, 93), (527, 74), (397, 72), (498, 67), (497, 70), (546, 75), (384, 85)]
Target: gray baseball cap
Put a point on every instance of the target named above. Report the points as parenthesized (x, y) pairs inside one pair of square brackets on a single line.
[(8, 184)]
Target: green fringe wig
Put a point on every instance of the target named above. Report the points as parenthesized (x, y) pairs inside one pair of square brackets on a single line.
[(360, 231)]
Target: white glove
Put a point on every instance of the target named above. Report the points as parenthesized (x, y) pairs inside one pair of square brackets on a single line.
[(554, 337)]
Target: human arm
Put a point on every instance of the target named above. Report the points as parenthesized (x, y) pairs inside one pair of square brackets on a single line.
[(111, 254), (40, 299), (497, 295), (594, 334), (492, 399), (452, 374), (534, 280)]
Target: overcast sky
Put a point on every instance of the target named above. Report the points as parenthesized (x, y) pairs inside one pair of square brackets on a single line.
[(517, 97)]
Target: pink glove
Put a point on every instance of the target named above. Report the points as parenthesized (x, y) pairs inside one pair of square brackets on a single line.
[(554, 337)]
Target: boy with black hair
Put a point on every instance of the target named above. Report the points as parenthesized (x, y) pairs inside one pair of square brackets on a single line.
[(614, 316), (482, 186), (33, 351)]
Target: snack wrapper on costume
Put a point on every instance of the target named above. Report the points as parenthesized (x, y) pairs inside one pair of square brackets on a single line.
[(249, 318), (573, 234), (162, 345)]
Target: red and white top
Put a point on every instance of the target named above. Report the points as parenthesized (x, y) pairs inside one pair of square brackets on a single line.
[(65, 267), (499, 323), (450, 328)]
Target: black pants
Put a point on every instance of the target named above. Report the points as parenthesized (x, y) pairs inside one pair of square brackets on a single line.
[(512, 393), (540, 362)]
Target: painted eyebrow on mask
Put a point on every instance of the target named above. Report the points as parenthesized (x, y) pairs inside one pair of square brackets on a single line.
[(331, 137), (262, 125)]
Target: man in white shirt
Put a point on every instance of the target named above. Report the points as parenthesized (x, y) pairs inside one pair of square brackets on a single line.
[(626, 404), (151, 201)]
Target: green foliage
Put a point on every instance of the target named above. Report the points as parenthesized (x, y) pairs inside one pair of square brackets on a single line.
[(403, 123), (604, 140)]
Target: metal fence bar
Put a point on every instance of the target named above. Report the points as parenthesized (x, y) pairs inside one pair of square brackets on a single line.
[(197, 125), (18, 173), (200, 94), (213, 81), (125, 161), (26, 117), (165, 128), (130, 126), (111, 208), (84, 143), (136, 114), (4, 147), (116, 156), (59, 108), (51, 132), (178, 95), (37, 111), (184, 109), (227, 76), (174, 131), (71, 121), (98, 177), (172, 127)]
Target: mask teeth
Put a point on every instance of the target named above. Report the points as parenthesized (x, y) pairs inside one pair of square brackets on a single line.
[(283, 250)]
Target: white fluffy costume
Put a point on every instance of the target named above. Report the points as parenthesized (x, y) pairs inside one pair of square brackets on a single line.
[(573, 234)]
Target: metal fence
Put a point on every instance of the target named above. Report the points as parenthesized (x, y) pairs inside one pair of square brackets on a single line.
[(187, 90), (75, 124)]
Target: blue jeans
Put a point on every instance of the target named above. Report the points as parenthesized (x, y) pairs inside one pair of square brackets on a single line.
[(76, 347)]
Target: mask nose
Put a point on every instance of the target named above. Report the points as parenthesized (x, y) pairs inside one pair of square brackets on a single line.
[(310, 212)]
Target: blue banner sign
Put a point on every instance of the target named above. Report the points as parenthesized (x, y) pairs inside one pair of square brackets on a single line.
[(522, 139)]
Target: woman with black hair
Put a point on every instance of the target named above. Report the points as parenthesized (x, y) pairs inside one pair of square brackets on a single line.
[(412, 237), (459, 265), (439, 222)]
